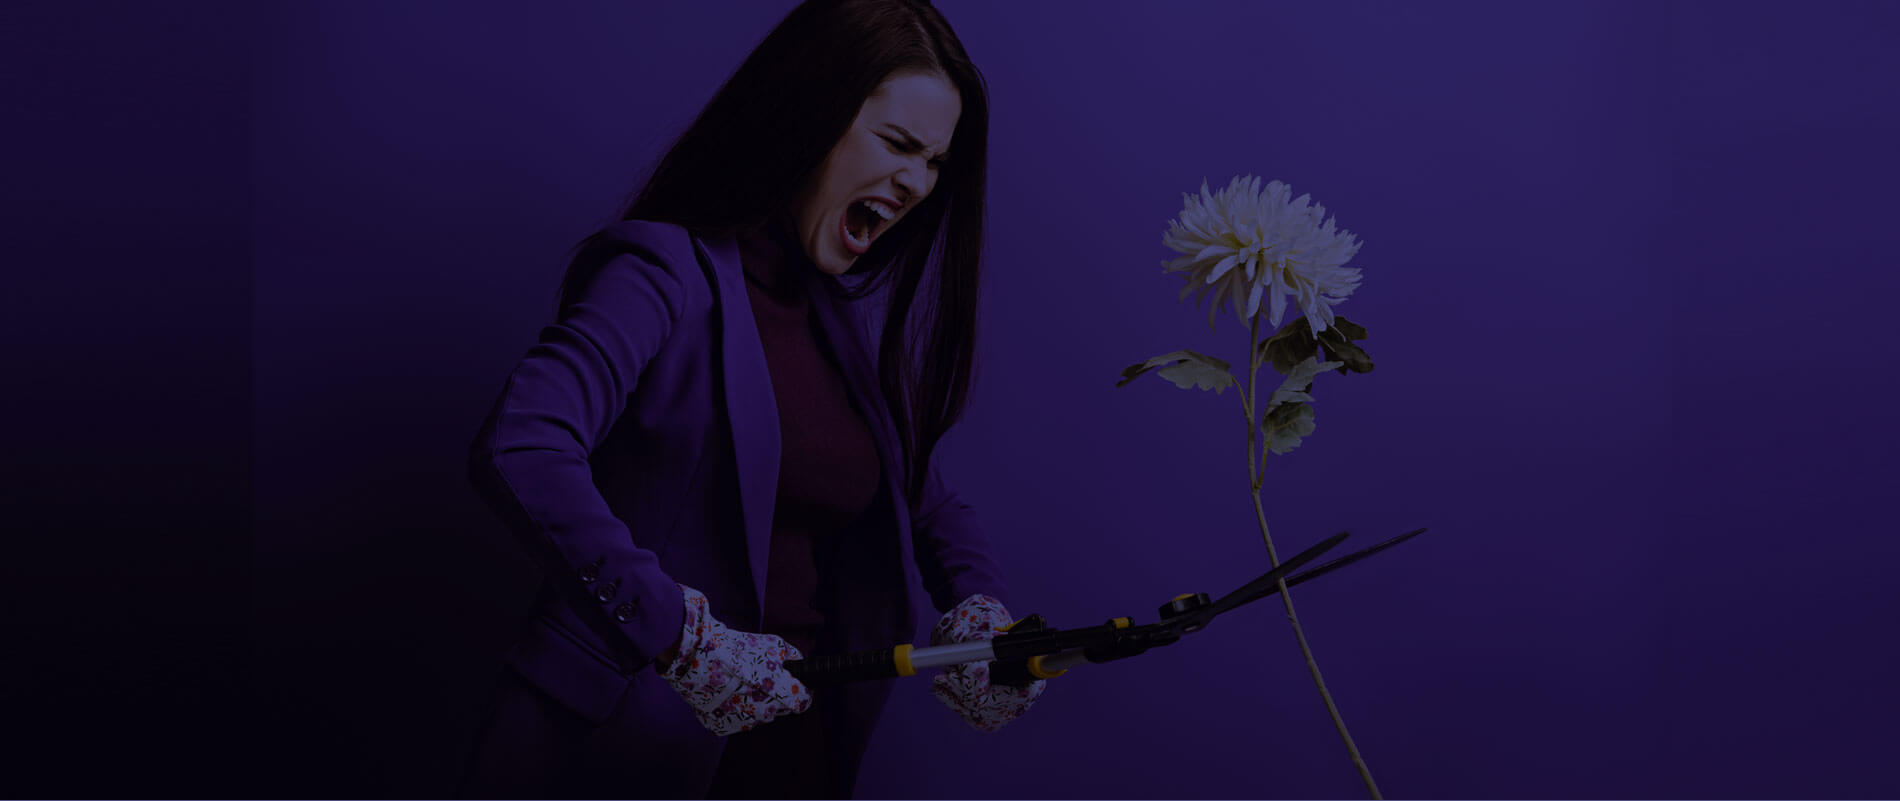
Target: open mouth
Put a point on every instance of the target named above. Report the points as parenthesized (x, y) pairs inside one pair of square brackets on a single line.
[(863, 220)]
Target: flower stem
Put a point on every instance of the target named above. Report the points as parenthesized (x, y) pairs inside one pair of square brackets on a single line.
[(1256, 469)]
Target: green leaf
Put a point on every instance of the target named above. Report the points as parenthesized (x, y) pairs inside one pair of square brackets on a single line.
[(1285, 413), (1350, 329), (1285, 425), (1289, 346), (1299, 381), (1338, 349), (1300, 356), (1186, 368), (1336, 344), (1134, 371)]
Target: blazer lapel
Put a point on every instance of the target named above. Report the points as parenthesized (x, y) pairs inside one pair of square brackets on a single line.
[(751, 409)]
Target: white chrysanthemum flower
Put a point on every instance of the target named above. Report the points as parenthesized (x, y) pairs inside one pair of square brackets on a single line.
[(1243, 244)]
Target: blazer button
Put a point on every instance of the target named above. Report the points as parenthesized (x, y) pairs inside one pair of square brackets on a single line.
[(624, 613), (606, 591), (589, 573)]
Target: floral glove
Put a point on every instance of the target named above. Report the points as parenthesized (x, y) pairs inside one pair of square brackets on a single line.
[(966, 688), (735, 681)]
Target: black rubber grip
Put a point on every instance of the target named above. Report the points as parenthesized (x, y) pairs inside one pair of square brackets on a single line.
[(1011, 674), (843, 668)]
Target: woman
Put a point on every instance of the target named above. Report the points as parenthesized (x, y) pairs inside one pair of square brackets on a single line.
[(712, 471)]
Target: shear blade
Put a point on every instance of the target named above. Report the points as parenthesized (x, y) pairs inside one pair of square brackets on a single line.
[(1268, 584), (1260, 587)]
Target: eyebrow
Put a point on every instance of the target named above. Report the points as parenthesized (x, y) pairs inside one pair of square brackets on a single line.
[(912, 141)]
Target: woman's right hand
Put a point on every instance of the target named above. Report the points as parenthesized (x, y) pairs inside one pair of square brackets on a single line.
[(734, 680)]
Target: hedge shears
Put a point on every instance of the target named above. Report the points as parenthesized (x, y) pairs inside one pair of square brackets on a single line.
[(1030, 649)]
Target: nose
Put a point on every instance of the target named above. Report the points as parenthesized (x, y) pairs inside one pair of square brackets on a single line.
[(910, 183)]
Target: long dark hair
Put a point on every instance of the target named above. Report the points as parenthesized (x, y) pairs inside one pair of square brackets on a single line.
[(804, 84)]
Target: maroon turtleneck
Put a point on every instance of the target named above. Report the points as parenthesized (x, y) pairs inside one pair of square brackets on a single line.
[(829, 472), (828, 465)]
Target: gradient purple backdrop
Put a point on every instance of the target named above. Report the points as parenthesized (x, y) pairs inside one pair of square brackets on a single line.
[(1617, 278)]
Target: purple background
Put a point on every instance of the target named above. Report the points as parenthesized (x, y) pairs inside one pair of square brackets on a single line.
[(1624, 273)]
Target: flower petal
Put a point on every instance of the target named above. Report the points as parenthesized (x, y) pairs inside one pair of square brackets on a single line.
[(1222, 267)]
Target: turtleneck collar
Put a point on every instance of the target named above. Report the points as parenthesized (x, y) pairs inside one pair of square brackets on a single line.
[(775, 262)]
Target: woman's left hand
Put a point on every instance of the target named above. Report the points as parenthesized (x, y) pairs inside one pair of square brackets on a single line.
[(966, 688)]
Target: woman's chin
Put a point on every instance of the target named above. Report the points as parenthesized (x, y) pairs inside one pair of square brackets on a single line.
[(836, 263)]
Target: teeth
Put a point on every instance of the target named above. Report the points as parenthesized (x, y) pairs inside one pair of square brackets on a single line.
[(879, 208)]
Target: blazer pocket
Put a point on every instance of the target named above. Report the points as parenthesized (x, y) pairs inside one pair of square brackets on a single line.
[(553, 661)]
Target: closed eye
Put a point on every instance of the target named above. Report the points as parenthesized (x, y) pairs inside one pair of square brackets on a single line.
[(909, 149)]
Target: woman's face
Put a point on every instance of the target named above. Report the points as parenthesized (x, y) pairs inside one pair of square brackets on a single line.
[(884, 166)]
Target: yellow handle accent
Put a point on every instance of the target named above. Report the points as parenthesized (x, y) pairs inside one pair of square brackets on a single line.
[(901, 655), (1036, 669), (1121, 622), (1184, 595)]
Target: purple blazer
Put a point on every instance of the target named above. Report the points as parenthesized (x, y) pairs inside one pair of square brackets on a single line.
[(635, 446)]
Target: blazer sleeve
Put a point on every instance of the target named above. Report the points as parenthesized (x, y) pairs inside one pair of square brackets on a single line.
[(954, 558), (530, 465)]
